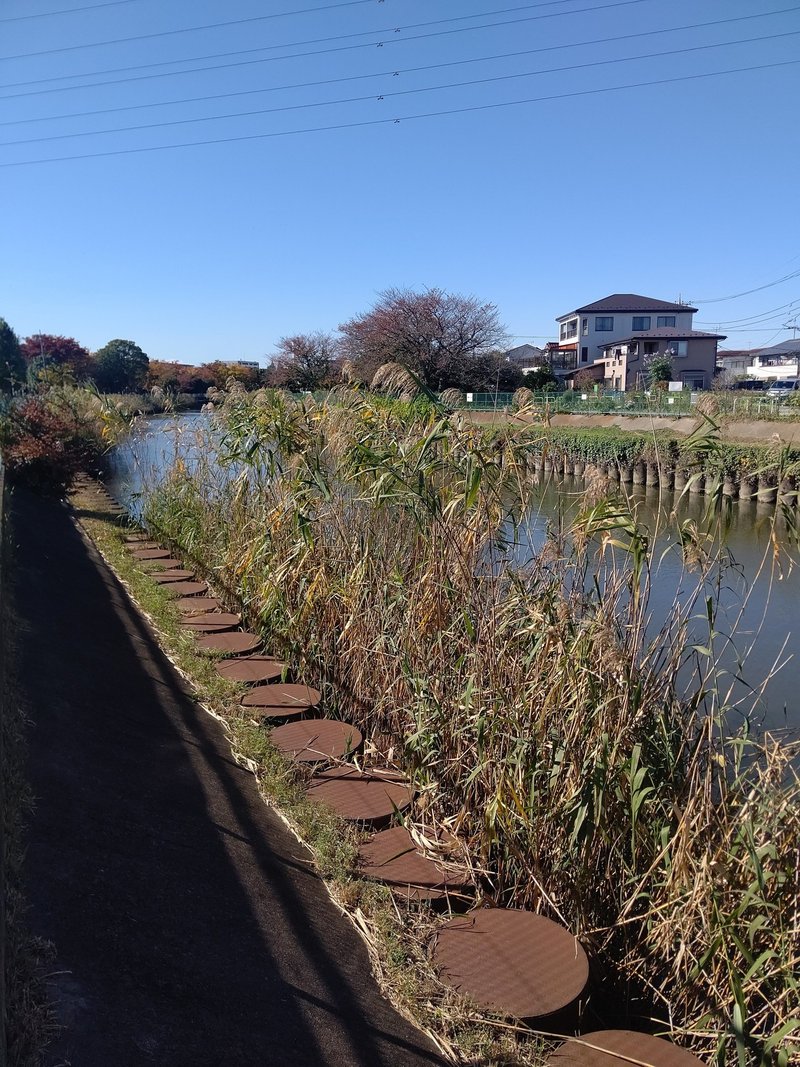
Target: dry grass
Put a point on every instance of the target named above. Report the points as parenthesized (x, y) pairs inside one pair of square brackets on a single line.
[(543, 722)]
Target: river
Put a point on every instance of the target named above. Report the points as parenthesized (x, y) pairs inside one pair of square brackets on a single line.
[(758, 599)]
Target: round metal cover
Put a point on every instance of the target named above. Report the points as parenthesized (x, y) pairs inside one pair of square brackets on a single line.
[(251, 669), (151, 553), (185, 588), (392, 857), (212, 622), (283, 700), (167, 577), (167, 564), (194, 605), (514, 962), (135, 539), (317, 740), (369, 796), (610, 1045), (235, 644)]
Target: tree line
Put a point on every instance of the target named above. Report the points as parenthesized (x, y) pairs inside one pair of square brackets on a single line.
[(446, 340)]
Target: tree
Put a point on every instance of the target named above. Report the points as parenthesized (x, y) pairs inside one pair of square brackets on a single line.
[(542, 378), (45, 349), (120, 367), (12, 365), (219, 373), (659, 369), (431, 332), (305, 361)]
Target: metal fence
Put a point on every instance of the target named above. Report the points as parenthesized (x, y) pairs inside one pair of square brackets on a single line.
[(657, 402)]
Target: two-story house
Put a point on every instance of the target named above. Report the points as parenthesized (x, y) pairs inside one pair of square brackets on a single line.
[(622, 332)]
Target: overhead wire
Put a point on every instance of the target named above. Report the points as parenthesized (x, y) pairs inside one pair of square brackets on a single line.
[(258, 18), (298, 55), (402, 118), (66, 11), (398, 93), (391, 72), (748, 292)]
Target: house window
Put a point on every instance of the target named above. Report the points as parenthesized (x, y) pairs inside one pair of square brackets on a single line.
[(569, 329), (694, 381), (650, 348), (665, 320), (585, 327), (584, 355), (641, 322), (679, 348), (604, 323)]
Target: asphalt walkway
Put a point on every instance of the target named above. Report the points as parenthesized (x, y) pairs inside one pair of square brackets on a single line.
[(189, 925)]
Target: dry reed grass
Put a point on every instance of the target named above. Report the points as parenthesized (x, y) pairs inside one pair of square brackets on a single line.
[(587, 763)]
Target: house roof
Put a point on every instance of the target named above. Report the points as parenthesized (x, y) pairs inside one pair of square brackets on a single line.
[(667, 333), (628, 302)]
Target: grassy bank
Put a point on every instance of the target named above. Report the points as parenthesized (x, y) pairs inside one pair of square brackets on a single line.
[(594, 769)]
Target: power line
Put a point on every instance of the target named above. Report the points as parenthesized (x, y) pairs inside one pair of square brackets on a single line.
[(400, 92), (389, 73), (747, 292), (403, 118), (251, 19), (760, 316), (299, 55), (68, 10)]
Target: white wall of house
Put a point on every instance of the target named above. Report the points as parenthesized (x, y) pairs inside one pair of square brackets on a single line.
[(773, 371)]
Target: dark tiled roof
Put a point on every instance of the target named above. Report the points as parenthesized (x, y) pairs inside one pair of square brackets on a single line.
[(630, 302), (668, 333)]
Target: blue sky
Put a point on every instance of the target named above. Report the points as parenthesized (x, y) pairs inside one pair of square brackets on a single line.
[(686, 188)]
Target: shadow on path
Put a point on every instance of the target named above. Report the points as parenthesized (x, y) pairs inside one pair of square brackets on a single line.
[(189, 925)]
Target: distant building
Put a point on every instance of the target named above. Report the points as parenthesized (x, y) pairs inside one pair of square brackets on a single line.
[(530, 358), (764, 364), (240, 363), (623, 331)]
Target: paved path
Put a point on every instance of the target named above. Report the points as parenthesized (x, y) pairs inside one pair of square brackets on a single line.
[(189, 926)]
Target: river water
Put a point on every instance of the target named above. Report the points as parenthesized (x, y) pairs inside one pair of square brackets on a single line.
[(758, 599)]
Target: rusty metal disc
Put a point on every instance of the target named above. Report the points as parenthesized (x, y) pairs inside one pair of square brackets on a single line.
[(317, 740), (153, 552), (235, 644), (251, 669), (392, 857), (211, 622), (167, 577), (136, 539), (167, 564), (610, 1045), (185, 588), (372, 795), (195, 605), (283, 700), (514, 962)]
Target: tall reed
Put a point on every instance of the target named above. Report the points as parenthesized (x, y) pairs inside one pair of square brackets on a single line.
[(587, 756)]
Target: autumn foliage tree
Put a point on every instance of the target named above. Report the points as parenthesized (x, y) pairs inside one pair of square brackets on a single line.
[(305, 361), (42, 350), (433, 333)]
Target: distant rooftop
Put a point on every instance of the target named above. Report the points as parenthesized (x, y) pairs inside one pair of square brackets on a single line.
[(628, 302)]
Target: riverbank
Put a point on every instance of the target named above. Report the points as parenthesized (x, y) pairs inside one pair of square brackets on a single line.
[(783, 432), (356, 535)]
